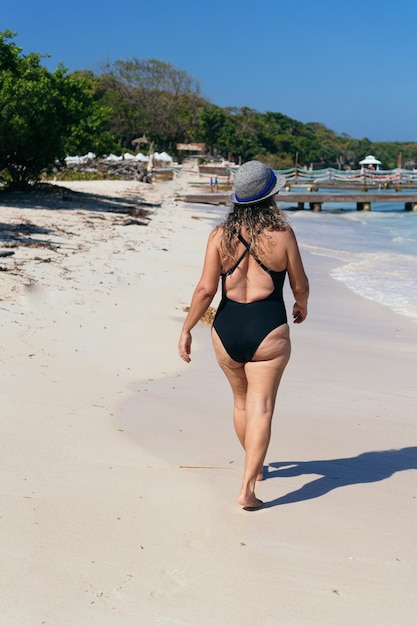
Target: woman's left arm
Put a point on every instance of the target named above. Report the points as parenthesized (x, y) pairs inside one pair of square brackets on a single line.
[(203, 295)]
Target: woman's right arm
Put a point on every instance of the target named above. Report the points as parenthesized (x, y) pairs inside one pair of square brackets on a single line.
[(203, 295), (298, 278)]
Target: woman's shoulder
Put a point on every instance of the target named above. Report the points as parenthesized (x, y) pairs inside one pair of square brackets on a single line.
[(285, 233), (216, 233), (281, 241), (215, 236)]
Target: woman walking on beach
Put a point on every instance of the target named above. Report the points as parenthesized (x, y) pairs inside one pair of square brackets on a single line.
[(252, 251)]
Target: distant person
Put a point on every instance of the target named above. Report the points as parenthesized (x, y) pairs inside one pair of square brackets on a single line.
[(216, 183), (252, 251)]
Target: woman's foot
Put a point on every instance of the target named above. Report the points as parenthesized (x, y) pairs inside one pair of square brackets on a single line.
[(249, 502)]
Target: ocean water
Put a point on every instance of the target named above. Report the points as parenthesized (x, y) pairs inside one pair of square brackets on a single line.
[(376, 250)]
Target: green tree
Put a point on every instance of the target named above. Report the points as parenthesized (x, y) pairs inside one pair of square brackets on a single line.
[(211, 129), (150, 97), (41, 113), (239, 135), (89, 128)]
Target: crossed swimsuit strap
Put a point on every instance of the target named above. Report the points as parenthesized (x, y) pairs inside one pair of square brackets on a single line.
[(248, 249)]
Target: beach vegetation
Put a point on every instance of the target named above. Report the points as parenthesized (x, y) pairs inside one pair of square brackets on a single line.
[(212, 121), (148, 104), (66, 174), (43, 114), (150, 98)]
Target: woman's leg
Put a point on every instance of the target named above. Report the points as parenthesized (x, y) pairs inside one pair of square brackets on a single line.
[(263, 381), (235, 374), (254, 386), (264, 375)]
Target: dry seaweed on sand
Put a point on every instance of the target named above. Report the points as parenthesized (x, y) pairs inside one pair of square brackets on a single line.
[(208, 316)]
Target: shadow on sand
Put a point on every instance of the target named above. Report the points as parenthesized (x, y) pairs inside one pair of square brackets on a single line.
[(49, 197), (53, 197), (368, 467)]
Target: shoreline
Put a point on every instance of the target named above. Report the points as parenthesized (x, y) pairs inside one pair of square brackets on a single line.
[(103, 524)]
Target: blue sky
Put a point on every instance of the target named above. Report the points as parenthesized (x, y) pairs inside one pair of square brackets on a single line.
[(350, 65)]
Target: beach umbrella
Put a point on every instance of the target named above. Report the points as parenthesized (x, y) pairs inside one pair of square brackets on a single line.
[(140, 141)]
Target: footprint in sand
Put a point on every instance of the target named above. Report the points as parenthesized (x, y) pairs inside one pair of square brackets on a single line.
[(199, 538), (171, 582)]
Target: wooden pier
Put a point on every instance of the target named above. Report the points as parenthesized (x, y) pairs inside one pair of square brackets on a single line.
[(347, 185), (314, 200), (363, 201)]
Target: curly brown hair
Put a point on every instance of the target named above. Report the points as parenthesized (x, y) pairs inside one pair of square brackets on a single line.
[(255, 218)]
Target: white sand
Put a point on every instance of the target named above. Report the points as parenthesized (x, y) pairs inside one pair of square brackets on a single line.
[(99, 522)]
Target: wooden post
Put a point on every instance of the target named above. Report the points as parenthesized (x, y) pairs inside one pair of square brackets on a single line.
[(316, 206)]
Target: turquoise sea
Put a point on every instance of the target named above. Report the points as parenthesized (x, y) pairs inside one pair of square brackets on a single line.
[(376, 250)]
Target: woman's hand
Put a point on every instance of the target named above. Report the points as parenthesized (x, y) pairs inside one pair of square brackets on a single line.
[(184, 346), (299, 313)]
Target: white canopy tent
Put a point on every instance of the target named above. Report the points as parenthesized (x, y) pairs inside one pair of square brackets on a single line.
[(113, 157), (128, 157), (162, 156), (80, 159), (370, 160)]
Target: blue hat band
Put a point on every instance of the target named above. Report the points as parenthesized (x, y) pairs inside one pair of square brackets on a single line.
[(271, 182)]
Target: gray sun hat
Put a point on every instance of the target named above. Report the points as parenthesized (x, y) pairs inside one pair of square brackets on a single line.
[(254, 182)]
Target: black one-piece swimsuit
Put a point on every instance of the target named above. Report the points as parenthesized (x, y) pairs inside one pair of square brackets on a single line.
[(242, 326)]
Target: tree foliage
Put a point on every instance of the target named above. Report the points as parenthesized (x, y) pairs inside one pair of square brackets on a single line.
[(152, 98), (42, 114)]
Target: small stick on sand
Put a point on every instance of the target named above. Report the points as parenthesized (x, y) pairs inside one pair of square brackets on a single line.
[(204, 467)]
